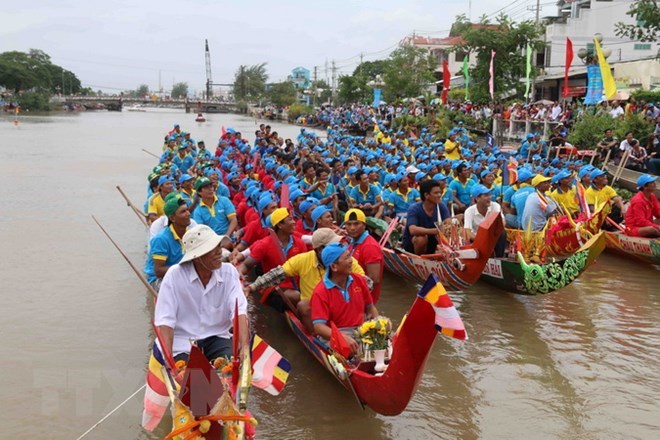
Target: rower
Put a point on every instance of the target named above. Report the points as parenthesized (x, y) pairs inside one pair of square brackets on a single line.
[(165, 247), (198, 297), (308, 268), (342, 297), (217, 212), (461, 186), (478, 212), (322, 217), (365, 249), (420, 233), (538, 206), (599, 193), (157, 201), (565, 194), (366, 196), (643, 215), (275, 250)]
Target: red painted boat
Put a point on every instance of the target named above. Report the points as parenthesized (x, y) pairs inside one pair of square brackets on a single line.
[(387, 394), (640, 248), (456, 271)]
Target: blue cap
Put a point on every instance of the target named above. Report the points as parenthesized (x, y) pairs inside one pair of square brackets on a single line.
[(536, 157), (584, 171), (352, 170), (645, 179), (419, 176), (164, 179), (331, 253), (595, 173), (318, 212), (306, 205), (293, 195), (561, 175), (485, 172), (264, 201), (439, 177), (478, 190), (524, 174), (529, 136), (184, 178)]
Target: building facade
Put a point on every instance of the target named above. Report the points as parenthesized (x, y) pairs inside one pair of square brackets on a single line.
[(301, 78)]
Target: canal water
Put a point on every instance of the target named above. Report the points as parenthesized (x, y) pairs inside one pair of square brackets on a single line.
[(581, 363)]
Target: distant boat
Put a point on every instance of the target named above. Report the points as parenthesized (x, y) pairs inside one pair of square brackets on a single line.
[(135, 108), (200, 118)]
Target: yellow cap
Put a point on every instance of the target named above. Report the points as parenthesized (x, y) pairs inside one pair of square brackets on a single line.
[(278, 215), (355, 215), (539, 178)]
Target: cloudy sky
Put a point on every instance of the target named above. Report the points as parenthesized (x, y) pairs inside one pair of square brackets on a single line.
[(119, 44)]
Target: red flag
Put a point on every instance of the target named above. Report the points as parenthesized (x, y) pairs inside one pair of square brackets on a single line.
[(569, 60), (446, 79), (223, 132), (236, 362), (338, 342)]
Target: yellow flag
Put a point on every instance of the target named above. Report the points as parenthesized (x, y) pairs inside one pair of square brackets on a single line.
[(608, 80)]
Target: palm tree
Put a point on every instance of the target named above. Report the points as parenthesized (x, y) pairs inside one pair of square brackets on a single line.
[(250, 81)]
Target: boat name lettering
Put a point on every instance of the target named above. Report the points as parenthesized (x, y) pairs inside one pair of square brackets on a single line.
[(494, 268), (633, 245)]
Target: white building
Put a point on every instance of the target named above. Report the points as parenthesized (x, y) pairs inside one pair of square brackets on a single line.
[(579, 20)]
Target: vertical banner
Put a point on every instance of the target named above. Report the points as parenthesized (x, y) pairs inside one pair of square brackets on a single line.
[(377, 97), (605, 72), (466, 75), (528, 70), (569, 61), (446, 80), (594, 85), (491, 82)]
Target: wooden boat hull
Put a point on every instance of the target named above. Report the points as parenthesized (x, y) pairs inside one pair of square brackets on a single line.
[(568, 240), (640, 248), (532, 279), (450, 273), (628, 178), (389, 393)]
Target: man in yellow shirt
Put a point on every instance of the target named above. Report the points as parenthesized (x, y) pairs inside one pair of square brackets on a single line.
[(565, 194), (308, 270), (452, 147), (600, 192), (156, 206)]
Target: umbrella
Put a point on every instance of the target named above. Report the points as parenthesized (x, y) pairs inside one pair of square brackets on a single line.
[(620, 96), (544, 102)]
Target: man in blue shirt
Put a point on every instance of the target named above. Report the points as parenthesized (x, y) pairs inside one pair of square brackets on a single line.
[(538, 207), (165, 247), (217, 212), (366, 196), (403, 197), (183, 160), (420, 234), (518, 202), (461, 187)]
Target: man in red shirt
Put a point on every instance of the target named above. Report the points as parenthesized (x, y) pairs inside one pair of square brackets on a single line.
[(273, 251), (643, 215), (365, 249), (342, 297), (255, 230)]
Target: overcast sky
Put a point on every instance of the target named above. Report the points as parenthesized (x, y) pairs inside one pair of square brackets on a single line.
[(120, 44)]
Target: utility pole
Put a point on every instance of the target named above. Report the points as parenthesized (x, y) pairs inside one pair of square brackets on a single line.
[(327, 80), (314, 86), (334, 82), (538, 10)]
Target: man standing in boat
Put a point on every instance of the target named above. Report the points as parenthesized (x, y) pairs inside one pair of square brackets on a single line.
[(198, 297)]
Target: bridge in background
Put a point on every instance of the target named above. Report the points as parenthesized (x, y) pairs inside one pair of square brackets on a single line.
[(116, 103)]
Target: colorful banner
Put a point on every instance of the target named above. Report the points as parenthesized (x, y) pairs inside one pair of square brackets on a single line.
[(446, 81), (529, 70), (377, 97), (605, 72), (466, 75), (491, 82), (594, 85), (569, 61)]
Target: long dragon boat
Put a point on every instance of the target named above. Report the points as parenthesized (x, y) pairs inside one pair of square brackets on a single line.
[(640, 248), (390, 392), (518, 276), (627, 178), (456, 270)]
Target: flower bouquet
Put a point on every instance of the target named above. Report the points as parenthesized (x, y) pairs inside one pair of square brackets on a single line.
[(374, 335)]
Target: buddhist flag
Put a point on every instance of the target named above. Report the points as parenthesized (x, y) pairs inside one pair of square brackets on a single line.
[(156, 398), (569, 61), (466, 75), (447, 320), (582, 199), (491, 81), (608, 80), (270, 369), (446, 80)]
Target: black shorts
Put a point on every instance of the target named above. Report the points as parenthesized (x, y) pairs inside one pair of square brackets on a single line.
[(213, 347)]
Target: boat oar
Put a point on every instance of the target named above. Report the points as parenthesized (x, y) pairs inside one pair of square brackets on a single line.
[(615, 224), (622, 165), (607, 157), (151, 154), (133, 207), (149, 287)]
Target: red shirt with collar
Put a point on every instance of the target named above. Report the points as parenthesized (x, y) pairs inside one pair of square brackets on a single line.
[(328, 302), (368, 251), (641, 212)]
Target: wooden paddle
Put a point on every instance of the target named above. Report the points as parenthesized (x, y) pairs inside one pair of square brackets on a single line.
[(622, 165), (139, 213), (151, 154)]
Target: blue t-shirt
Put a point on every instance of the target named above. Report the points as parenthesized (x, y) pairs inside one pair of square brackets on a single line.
[(401, 203), (462, 191), (371, 196), (518, 201), (222, 190), (184, 164), (219, 219), (418, 217), (329, 189), (163, 246)]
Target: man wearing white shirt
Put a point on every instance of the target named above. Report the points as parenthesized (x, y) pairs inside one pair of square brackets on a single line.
[(198, 297), (626, 144), (475, 215), (556, 112), (617, 111)]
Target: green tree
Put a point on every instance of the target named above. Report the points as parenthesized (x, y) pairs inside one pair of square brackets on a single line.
[(180, 90), (19, 72), (143, 90), (409, 70), (354, 87), (647, 28), (250, 81), (323, 91), (282, 94), (509, 40)]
